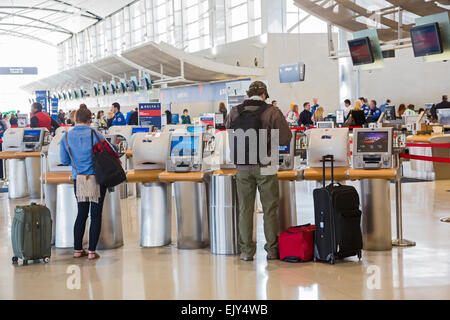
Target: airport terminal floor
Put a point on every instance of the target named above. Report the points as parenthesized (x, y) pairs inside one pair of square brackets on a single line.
[(131, 272)]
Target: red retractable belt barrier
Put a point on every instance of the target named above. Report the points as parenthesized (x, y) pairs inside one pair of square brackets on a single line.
[(429, 145), (424, 158)]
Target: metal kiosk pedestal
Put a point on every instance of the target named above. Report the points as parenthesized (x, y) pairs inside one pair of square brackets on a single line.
[(155, 209), (191, 208), (224, 213), (287, 210), (66, 208), (17, 178)]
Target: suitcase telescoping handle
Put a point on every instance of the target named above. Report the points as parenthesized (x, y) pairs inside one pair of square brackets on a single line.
[(325, 159)]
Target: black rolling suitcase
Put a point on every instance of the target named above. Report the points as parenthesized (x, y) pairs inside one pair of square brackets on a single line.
[(31, 233), (337, 219)]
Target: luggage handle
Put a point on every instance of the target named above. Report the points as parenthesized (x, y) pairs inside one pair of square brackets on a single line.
[(325, 159)]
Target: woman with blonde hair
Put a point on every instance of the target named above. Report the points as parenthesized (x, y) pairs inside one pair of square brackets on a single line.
[(318, 114), (356, 117), (293, 115)]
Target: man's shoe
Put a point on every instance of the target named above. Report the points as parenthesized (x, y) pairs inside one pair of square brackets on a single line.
[(246, 258)]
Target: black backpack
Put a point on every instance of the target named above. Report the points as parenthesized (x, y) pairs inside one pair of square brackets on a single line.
[(107, 169), (247, 120)]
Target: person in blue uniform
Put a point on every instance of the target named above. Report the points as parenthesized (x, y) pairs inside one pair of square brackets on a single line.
[(117, 118), (373, 113), (384, 105), (365, 106), (315, 105)]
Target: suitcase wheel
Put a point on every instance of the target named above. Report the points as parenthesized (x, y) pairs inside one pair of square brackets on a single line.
[(46, 260), (15, 260)]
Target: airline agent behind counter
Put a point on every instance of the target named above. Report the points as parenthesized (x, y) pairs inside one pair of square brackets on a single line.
[(116, 117)]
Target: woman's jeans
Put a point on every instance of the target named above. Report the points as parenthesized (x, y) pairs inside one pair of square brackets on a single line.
[(96, 220)]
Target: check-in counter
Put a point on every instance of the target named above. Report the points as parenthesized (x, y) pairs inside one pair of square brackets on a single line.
[(111, 235), (428, 170)]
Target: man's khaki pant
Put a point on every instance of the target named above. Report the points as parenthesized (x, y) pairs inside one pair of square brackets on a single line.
[(246, 183)]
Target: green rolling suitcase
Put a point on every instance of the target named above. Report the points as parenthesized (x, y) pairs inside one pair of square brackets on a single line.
[(31, 233)]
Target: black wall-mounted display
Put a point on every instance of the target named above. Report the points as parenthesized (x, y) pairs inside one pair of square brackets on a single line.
[(426, 40), (361, 51)]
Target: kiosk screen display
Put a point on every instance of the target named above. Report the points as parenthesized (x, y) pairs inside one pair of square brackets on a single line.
[(426, 40), (184, 146), (284, 149), (361, 51), (196, 129), (390, 113), (31, 135), (136, 130), (377, 141)]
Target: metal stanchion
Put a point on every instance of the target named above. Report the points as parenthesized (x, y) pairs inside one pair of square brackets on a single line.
[(399, 241)]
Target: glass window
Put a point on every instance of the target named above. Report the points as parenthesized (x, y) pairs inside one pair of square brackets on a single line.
[(239, 32), (239, 15)]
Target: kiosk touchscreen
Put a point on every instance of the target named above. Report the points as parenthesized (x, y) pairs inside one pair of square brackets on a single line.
[(186, 152), (372, 148), (32, 140), (12, 139), (324, 142), (288, 152)]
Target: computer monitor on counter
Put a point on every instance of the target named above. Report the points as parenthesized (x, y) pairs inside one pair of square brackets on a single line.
[(372, 148)]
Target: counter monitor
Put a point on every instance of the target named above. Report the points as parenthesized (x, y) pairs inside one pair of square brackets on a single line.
[(196, 129), (376, 141), (284, 149), (389, 113), (372, 148)]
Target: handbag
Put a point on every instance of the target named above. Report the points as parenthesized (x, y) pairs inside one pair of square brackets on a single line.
[(350, 121), (107, 167)]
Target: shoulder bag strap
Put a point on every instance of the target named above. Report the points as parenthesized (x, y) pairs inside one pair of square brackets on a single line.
[(70, 153)]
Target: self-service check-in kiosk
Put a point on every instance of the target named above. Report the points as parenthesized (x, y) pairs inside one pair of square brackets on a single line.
[(150, 154), (22, 147), (185, 169), (372, 149)]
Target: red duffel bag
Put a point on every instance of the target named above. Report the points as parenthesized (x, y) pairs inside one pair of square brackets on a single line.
[(297, 243)]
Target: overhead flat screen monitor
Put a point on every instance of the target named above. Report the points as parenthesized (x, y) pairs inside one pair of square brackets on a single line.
[(133, 84), (292, 72), (105, 88), (361, 51), (184, 146), (136, 130), (113, 87), (31, 136), (96, 90), (123, 85), (426, 40), (284, 149), (389, 113), (373, 142), (148, 82)]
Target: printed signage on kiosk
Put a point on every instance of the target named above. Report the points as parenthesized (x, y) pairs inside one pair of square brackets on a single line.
[(150, 114)]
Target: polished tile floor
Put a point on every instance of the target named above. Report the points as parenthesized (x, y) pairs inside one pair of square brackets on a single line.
[(130, 272)]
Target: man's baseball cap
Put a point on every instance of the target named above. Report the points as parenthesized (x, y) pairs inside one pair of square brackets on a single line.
[(257, 88)]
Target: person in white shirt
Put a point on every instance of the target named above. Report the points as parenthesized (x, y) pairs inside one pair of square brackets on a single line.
[(292, 116), (348, 108)]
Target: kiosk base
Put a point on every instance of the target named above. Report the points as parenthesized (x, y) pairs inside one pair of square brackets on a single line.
[(111, 235), (376, 218), (191, 207), (224, 215), (50, 203), (33, 169), (66, 214), (155, 214), (17, 178), (287, 210)]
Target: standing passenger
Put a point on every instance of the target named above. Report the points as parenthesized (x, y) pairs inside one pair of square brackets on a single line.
[(251, 176), (40, 119), (76, 150)]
